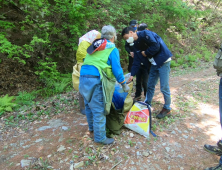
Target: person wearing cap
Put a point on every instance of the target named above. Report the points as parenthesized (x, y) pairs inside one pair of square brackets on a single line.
[(152, 47), (84, 42), (142, 27), (102, 54)]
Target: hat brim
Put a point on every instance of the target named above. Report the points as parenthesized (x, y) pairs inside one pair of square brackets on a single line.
[(91, 49)]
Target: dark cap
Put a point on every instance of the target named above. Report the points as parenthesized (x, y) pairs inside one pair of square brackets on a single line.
[(97, 45), (142, 27), (133, 23)]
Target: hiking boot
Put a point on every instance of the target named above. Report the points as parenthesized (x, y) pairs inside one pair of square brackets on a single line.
[(218, 167), (108, 141), (164, 112), (213, 149)]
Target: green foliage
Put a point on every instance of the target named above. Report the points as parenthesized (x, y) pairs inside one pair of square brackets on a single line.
[(55, 86), (173, 64), (6, 24), (177, 55), (6, 103), (47, 71), (181, 51), (180, 61), (191, 58), (54, 27), (25, 98)]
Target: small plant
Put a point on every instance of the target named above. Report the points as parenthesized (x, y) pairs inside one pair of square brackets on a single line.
[(177, 55), (155, 139), (181, 51), (69, 141), (43, 165), (6, 103), (25, 98), (185, 65), (26, 156), (131, 143), (180, 61), (173, 64), (92, 158), (75, 156), (154, 127)]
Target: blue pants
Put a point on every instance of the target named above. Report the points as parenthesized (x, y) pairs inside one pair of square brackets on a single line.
[(163, 73), (90, 88), (220, 107)]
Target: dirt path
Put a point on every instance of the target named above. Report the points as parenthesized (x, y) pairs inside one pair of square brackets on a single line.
[(60, 141)]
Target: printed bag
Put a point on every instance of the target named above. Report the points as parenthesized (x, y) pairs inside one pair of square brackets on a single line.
[(138, 119)]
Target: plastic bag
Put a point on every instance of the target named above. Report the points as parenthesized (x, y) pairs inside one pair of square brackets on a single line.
[(76, 75), (138, 119), (119, 95)]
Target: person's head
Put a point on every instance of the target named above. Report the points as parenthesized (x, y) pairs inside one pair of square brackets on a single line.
[(134, 24), (90, 36), (142, 27), (109, 33), (129, 32)]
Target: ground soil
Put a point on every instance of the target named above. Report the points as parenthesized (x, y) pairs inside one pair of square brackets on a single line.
[(179, 145)]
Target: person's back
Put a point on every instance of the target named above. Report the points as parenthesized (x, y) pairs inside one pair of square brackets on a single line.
[(102, 55)]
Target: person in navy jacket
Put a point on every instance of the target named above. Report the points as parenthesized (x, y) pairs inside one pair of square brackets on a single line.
[(142, 73), (151, 47)]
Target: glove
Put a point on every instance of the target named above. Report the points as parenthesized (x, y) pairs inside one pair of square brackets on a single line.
[(125, 87)]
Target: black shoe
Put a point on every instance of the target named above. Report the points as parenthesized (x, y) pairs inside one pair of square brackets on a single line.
[(218, 167), (213, 149), (164, 112), (138, 98), (219, 144), (108, 141)]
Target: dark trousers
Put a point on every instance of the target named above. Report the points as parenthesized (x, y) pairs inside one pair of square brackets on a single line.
[(141, 80), (130, 63)]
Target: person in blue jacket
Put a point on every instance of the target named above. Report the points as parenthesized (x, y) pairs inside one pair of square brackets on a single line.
[(153, 48), (143, 72), (102, 54)]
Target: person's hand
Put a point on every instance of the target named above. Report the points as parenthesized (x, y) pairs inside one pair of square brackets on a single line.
[(125, 87), (143, 53), (130, 79), (132, 54)]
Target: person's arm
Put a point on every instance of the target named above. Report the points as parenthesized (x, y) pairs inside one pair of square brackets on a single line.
[(154, 45), (136, 66), (114, 61)]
